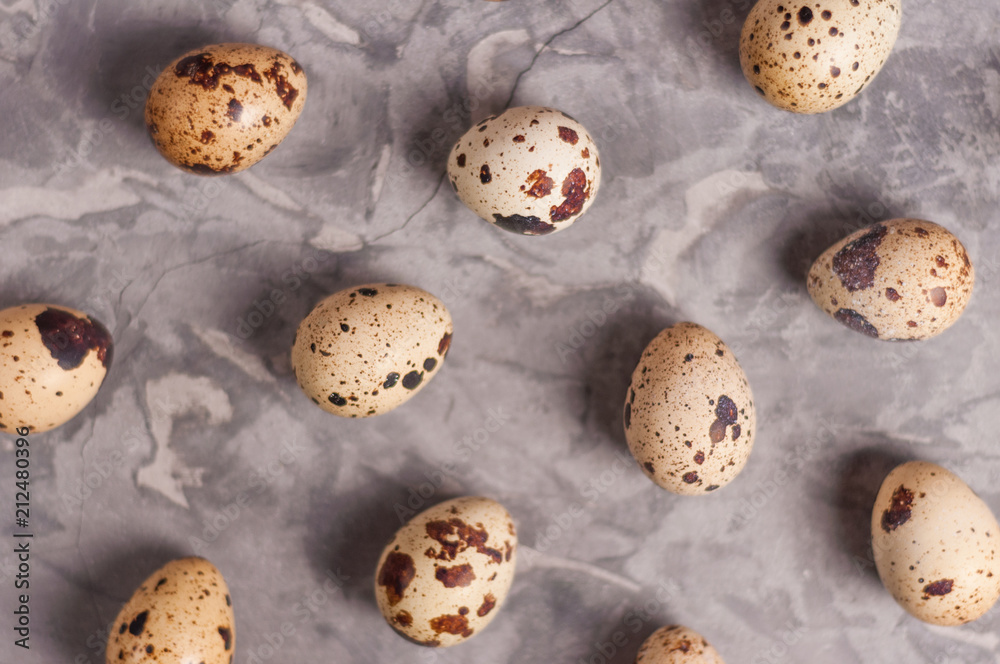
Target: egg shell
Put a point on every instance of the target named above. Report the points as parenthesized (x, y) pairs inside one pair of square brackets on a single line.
[(811, 57), (899, 279), (222, 108), (181, 614), (530, 170), (446, 573), (675, 644), (689, 413), (53, 360), (935, 544), (365, 350)]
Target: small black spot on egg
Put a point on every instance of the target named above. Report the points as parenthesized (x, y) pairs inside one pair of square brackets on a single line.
[(391, 380), (429, 364), (337, 400)]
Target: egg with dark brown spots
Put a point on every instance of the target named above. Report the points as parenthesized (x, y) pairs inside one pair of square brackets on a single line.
[(222, 108), (530, 170), (935, 545), (366, 350), (899, 279), (446, 573), (689, 413), (811, 57), (181, 614), (53, 361), (676, 644)]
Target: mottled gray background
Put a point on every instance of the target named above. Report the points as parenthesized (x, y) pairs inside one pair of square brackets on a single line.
[(712, 206)]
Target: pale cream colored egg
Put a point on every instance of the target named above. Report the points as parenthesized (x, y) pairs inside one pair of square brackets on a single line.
[(181, 614), (530, 170), (811, 57), (53, 361), (365, 350), (689, 417), (445, 574), (935, 544), (675, 644), (222, 108), (899, 279)]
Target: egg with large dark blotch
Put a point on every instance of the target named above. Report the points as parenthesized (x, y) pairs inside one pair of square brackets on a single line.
[(53, 361), (222, 108), (898, 279), (530, 170)]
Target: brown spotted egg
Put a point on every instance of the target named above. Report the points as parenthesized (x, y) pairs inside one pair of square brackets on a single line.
[(675, 644), (181, 614), (935, 544), (899, 279), (689, 412), (445, 574), (530, 170), (53, 361), (811, 57), (366, 350), (222, 108)]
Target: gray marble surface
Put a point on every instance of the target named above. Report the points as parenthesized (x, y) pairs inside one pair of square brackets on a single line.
[(713, 205)]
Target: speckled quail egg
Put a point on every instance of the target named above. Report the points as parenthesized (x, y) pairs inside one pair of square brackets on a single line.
[(677, 645), (811, 57), (222, 108), (935, 545), (530, 170), (689, 412), (53, 361), (900, 279), (445, 574), (365, 350), (181, 614)]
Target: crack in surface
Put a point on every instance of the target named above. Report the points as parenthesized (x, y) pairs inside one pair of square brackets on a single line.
[(546, 45), (418, 211), (180, 266)]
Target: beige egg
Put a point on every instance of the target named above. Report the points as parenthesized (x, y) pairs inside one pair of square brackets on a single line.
[(530, 170), (181, 614), (811, 57), (222, 108), (900, 279), (53, 361), (935, 545), (689, 414), (445, 574), (677, 645), (365, 350)]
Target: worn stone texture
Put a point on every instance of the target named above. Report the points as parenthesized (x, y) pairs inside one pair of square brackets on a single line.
[(711, 209)]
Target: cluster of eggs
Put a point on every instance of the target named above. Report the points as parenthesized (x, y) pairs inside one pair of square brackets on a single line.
[(689, 414)]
